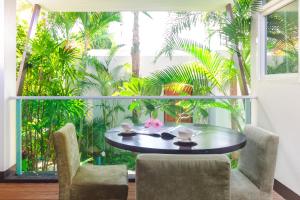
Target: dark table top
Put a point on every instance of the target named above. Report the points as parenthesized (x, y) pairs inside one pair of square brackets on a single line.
[(209, 140)]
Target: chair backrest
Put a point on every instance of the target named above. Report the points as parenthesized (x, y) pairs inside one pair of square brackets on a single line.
[(177, 177), (258, 157), (67, 157)]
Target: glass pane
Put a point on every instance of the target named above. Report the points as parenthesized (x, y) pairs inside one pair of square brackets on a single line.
[(37, 120), (282, 40)]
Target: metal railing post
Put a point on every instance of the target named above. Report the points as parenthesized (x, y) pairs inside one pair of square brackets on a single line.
[(19, 137), (248, 111)]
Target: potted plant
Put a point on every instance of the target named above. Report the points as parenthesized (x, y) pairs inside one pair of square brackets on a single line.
[(97, 155)]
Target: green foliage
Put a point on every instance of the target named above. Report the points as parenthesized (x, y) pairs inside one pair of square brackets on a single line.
[(210, 71), (40, 119), (181, 21), (21, 40), (238, 30), (93, 26), (116, 156), (138, 87), (60, 66), (98, 75), (208, 74), (51, 67), (57, 68)]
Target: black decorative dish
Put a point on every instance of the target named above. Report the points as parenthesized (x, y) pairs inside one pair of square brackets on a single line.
[(167, 136), (123, 134), (185, 143)]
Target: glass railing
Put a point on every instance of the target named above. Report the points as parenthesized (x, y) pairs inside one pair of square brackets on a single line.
[(37, 118)]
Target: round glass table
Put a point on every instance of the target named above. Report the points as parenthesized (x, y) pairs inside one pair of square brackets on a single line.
[(207, 139)]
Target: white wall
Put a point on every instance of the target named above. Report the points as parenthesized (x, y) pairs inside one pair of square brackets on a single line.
[(147, 65), (7, 82), (278, 109)]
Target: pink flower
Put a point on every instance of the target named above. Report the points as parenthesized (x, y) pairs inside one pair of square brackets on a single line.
[(149, 123), (157, 124)]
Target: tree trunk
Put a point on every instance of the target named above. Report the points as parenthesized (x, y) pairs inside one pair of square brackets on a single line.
[(238, 57), (135, 49), (233, 92), (135, 55)]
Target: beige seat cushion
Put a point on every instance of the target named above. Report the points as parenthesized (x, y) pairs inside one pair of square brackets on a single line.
[(182, 177), (242, 188), (100, 182)]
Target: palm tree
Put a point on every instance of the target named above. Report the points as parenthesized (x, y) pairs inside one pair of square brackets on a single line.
[(135, 51), (105, 83), (210, 70), (62, 23), (102, 79), (93, 24), (235, 28), (210, 73)]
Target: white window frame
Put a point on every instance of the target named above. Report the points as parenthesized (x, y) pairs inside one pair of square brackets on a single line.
[(268, 9)]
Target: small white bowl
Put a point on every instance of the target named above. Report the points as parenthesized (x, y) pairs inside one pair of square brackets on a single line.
[(185, 134), (127, 128)]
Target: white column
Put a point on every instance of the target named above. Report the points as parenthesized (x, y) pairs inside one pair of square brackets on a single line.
[(7, 82), (255, 64)]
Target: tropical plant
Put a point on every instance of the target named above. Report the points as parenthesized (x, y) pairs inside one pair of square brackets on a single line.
[(210, 70), (52, 68), (93, 27), (210, 73), (234, 25), (20, 40), (100, 75), (62, 24), (135, 87), (104, 116), (57, 67), (52, 71)]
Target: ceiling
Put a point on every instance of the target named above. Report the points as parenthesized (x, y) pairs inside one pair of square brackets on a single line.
[(131, 5)]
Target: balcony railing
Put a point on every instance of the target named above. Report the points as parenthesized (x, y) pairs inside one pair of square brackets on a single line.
[(38, 117)]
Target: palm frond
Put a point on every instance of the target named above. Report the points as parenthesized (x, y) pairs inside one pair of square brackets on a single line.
[(147, 14), (177, 43), (215, 65), (113, 50), (256, 5), (193, 74)]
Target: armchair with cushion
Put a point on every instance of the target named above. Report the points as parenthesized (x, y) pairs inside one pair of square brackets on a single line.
[(254, 178), (182, 177), (85, 182)]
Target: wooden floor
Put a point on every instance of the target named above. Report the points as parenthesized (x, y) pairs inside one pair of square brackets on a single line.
[(37, 191)]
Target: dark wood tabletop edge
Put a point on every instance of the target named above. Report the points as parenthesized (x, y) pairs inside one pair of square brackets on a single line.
[(137, 149)]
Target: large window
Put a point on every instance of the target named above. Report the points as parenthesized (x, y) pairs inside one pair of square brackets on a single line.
[(282, 40)]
